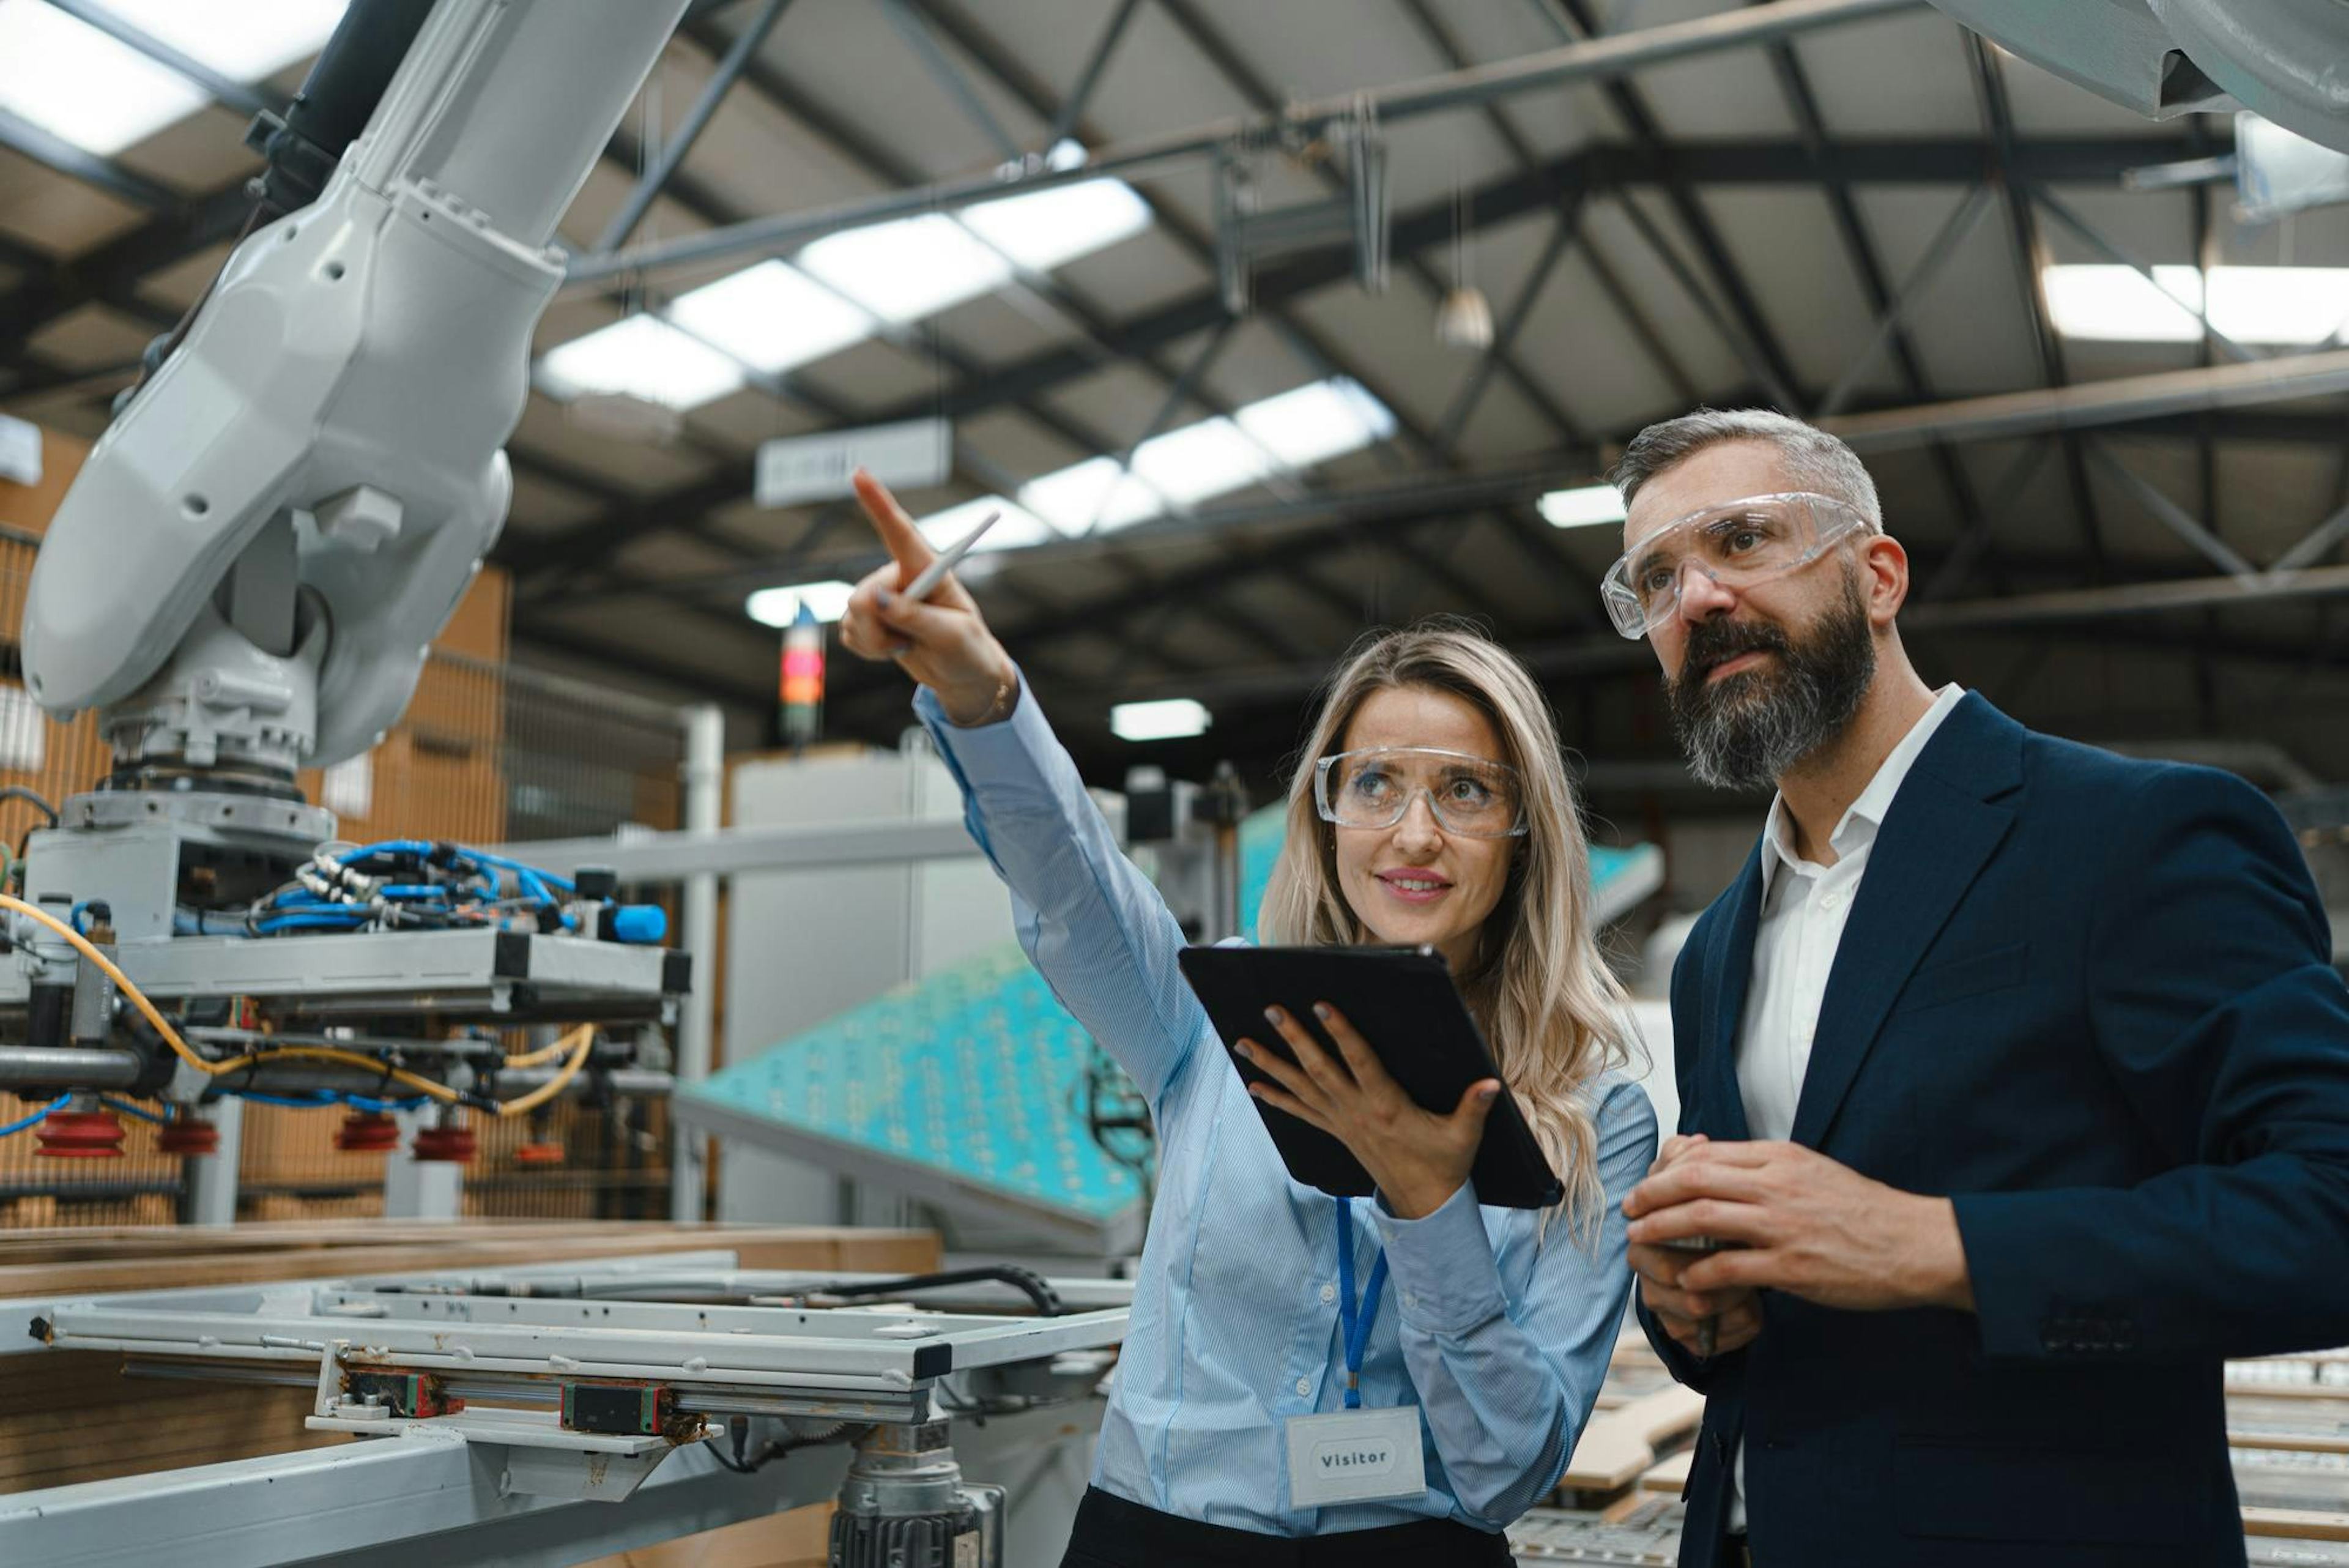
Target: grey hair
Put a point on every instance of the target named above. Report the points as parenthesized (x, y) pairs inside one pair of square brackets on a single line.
[(1814, 458)]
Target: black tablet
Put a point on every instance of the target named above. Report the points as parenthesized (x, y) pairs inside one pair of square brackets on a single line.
[(1404, 1002)]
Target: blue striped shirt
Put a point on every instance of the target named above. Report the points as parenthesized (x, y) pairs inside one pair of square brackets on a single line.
[(1501, 1343)]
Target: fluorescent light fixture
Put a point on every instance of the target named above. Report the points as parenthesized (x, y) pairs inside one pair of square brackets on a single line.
[(245, 39), (1317, 421), (642, 357), (771, 318), (1017, 528), (1045, 229), (903, 270), (75, 82), (1201, 460), (1587, 507), (827, 601), (1095, 491), (1168, 720)]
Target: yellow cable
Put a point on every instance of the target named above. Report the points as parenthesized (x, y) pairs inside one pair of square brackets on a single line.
[(89, 951), (585, 1033), (554, 1086), (544, 1054)]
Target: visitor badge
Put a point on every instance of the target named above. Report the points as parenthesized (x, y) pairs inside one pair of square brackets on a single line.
[(1355, 1455)]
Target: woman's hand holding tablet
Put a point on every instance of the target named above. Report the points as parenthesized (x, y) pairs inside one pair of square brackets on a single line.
[(1399, 1110), (1417, 1158)]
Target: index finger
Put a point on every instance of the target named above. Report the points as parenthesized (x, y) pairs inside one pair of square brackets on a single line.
[(907, 545), (1369, 1071)]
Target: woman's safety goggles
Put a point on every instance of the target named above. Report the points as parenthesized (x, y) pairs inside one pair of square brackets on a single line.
[(1470, 796), (1738, 545)]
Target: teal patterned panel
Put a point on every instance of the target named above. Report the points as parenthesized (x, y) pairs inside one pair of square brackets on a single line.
[(976, 1071)]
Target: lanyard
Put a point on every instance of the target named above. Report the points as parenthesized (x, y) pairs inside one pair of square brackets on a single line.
[(1357, 1325)]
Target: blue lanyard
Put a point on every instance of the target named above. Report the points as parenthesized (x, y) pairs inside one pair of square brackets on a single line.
[(1357, 1325)]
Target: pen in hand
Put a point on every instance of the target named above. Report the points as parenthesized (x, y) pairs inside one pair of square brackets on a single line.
[(931, 576)]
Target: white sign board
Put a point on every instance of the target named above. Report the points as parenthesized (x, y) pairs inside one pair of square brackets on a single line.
[(906, 455), (20, 451)]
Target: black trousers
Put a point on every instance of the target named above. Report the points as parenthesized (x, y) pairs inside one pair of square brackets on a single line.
[(1112, 1533)]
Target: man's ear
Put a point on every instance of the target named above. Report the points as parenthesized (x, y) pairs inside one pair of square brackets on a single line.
[(1884, 563)]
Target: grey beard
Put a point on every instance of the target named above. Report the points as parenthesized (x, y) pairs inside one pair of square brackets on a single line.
[(1756, 728)]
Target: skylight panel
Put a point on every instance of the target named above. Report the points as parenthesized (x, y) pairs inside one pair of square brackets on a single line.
[(771, 318), (1169, 720), (903, 270), (1587, 507), (1094, 493), (1016, 529), (642, 357), (826, 600), (242, 39), (1198, 460), (75, 82), (2117, 305), (2296, 306), (1317, 421), (1045, 229)]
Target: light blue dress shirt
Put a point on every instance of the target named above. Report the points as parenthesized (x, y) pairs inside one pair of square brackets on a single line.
[(1500, 1341)]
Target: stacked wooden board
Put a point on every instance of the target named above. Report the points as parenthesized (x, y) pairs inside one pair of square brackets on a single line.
[(69, 1417), (2287, 1427)]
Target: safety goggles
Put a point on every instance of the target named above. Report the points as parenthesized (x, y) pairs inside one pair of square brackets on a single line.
[(1738, 545), (1469, 795)]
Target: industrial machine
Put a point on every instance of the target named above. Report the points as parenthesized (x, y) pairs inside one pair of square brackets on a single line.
[(242, 583), (2280, 58)]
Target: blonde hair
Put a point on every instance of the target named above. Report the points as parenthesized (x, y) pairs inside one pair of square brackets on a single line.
[(1544, 997)]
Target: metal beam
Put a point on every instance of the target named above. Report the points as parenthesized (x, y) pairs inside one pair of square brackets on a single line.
[(2171, 515), (2094, 404), (1081, 97), (1892, 314), (946, 74), (696, 120), (45, 147)]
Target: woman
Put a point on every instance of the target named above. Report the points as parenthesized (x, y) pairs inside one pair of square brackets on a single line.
[(1432, 807)]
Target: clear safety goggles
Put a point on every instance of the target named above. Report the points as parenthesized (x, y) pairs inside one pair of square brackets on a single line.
[(1738, 545), (1469, 795)]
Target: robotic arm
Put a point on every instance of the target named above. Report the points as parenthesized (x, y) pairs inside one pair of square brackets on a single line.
[(246, 576)]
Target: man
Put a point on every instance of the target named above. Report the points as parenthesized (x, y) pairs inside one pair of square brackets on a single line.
[(2014, 1073)]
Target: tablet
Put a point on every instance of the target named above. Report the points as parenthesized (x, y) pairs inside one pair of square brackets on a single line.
[(1404, 1002)]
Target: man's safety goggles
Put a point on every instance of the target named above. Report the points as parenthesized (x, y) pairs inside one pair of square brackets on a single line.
[(1470, 796), (1737, 543)]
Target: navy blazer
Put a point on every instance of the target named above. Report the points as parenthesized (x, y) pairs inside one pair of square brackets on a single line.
[(2092, 999)]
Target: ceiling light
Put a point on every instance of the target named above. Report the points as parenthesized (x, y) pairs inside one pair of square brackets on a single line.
[(2298, 305), (827, 601), (1170, 720), (770, 317), (642, 357), (2118, 304), (75, 82), (1095, 493), (1317, 421), (1201, 460), (903, 270), (1583, 508), (1045, 229), (242, 39), (1017, 528)]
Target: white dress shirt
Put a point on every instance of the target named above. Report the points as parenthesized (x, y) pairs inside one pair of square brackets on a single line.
[(1804, 907)]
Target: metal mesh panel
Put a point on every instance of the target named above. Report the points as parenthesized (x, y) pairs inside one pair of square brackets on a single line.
[(486, 753)]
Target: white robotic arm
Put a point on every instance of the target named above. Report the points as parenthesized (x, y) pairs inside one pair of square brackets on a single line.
[(247, 572)]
